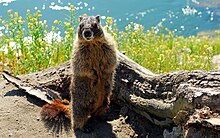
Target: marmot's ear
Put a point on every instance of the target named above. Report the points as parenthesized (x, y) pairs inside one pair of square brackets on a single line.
[(80, 18), (97, 18)]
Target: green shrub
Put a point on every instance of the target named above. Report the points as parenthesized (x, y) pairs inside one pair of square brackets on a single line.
[(30, 45)]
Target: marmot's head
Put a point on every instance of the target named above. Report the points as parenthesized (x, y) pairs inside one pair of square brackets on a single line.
[(90, 28)]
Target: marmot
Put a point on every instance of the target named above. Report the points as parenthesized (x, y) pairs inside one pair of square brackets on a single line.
[(94, 61)]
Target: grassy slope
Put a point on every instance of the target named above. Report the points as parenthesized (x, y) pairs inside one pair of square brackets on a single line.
[(158, 51)]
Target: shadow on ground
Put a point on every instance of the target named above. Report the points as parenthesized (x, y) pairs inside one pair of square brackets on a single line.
[(117, 122)]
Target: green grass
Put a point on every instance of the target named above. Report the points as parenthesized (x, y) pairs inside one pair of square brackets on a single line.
[(24, 49), (165, 52), (29, 49)]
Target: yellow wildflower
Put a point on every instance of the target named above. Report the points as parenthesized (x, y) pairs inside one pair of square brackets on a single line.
[(16, 14), (52, 28), (67, 24), (55, 21)]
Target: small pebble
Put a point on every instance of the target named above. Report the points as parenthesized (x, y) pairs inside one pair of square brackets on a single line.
[(38, 119), (10, 135)]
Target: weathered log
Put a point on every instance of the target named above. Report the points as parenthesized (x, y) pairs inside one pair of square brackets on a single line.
[(159, 98), (204, 120), (163, 96), (44, 94)]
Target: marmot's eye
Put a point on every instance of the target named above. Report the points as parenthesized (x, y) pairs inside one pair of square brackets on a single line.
[(81, 25), (95, 25)]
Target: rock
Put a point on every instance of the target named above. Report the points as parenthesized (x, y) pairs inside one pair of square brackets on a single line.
[(216, 62), (175, 133)]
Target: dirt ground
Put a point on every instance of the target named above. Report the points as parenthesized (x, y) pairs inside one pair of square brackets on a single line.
[(20, 118)]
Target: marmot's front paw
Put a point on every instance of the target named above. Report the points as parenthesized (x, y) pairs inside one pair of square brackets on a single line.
[(106, 74), (93, 75)]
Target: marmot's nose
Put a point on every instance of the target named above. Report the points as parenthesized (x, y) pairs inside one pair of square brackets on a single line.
[(87, 33)]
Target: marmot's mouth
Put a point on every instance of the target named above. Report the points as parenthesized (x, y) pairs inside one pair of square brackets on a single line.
[(88, 38), (87, 35)]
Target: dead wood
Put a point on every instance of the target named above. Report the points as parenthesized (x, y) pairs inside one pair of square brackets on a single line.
[(163, 99)]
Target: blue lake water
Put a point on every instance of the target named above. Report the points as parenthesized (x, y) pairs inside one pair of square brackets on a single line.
[(185, 17)]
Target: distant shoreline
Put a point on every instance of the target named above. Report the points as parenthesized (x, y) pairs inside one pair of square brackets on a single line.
[(210, 4), (210, 33)]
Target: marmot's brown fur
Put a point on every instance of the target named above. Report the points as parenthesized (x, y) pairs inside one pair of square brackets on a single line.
[(94, 61)]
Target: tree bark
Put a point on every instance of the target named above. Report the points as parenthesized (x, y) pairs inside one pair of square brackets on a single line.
[(164, 99)]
